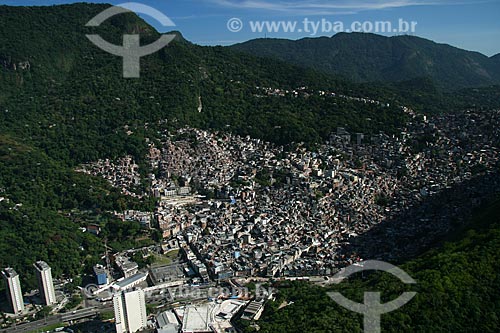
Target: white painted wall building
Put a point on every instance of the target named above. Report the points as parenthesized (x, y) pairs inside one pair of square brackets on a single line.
[(130, 311), (14, 293), (45, 284)]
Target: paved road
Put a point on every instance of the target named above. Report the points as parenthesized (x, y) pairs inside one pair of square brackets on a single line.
[(34, 325), (80, 314), (66, 317)]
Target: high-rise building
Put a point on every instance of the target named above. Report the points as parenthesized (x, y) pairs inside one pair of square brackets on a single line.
[(14, 293), (130, 311), (45, 283)]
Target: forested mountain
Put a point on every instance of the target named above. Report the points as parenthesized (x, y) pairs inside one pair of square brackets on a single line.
[(57, 78), (496, 58), (366, 57)]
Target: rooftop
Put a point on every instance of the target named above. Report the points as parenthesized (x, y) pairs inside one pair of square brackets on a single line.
[(197, 318), (99, 269), (131, 280), (41, 266), (9, 272), (167, 319)]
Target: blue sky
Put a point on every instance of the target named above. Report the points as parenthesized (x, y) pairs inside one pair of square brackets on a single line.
[(468, 24)]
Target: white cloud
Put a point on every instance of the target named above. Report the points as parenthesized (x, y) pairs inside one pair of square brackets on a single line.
[(318, 7)]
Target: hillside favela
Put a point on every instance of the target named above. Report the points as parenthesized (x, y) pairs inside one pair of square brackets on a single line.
[(213, 166)]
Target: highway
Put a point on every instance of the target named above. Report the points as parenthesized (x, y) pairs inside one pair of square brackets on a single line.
[(60, 318), (34, 325)]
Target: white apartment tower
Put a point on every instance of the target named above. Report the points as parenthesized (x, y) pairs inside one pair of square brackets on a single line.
[(130, 311), (45, 283), (14, 293)]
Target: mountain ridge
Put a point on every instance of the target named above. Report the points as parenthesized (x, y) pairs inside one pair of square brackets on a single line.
[(365, 57)]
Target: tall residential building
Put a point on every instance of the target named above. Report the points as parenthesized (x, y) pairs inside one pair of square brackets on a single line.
[(45, 283), (130, 311), (14, 293)]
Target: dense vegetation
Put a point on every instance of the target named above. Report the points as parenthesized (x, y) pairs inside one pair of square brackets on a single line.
[(73, 103), (366, 57), (39, 213), (423, 95), (457, 290)]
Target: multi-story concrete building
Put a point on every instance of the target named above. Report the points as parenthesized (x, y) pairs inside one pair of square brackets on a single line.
[(43, 274), (126, 266), (130, 311), (14, 293)]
